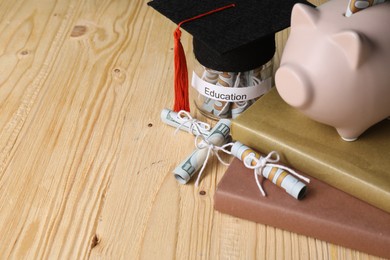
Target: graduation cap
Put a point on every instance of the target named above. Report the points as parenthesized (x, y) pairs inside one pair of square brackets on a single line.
[(228, 35)]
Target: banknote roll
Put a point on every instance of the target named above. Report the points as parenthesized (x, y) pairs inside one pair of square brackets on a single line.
[(355, 6), (219, 135), (171, 118), (187, 168), (225, 79), (277, 175), (284, 180)]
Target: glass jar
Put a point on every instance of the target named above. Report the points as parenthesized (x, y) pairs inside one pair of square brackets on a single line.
[(219, 94)]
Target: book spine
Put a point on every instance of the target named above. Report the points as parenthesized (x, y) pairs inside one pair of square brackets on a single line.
[(302, 224)]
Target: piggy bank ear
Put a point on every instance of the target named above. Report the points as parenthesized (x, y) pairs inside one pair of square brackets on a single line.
[(303, 15), (353, 46)]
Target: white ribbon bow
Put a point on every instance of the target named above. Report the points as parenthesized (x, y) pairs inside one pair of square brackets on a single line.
[(211, 149), (195, 126), (268, 161)]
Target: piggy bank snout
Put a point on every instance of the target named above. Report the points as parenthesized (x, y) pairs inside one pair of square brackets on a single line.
[(293, 86)]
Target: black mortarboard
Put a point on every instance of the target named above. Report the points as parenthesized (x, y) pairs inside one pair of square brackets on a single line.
[(235, 39), (228, 35)]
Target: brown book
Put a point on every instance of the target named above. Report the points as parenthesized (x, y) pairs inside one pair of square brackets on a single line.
[(325, 213), (360, 168)]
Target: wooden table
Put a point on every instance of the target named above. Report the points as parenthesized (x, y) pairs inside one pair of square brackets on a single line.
[(85, 162)]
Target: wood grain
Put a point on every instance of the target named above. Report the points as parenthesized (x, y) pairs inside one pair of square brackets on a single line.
[(85, 163)]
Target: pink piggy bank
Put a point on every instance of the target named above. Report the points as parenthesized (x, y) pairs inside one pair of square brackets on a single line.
[(336, 69)]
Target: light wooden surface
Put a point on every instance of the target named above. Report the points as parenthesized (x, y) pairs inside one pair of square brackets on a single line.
[(85, 163)]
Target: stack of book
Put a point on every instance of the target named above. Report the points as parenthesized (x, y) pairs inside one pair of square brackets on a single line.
[(348, 198)]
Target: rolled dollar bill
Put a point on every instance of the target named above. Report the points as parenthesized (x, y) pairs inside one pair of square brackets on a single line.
[(261, 78), (172, 118), (246, 80), (219, 135), (355, 6), (225, 79), (237, 108), (210, 76), (274, 173)]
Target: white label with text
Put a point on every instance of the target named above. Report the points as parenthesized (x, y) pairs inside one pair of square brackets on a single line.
[(230, 94)]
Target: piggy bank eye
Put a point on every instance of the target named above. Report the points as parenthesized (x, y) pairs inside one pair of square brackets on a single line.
[(293, 86)]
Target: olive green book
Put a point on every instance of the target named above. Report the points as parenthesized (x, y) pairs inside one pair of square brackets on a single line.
[(360, 168)]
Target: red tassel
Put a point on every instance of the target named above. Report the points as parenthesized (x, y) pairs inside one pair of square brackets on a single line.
[(182, 101), (181, 75)]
